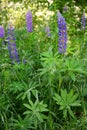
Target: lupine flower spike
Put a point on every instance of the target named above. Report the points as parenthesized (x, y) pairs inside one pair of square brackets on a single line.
[(83, 21), (29, 21), (62, 33), (11, 44), (2, 33), (47, 31)]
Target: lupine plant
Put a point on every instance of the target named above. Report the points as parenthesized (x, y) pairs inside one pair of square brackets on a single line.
[(62, 33), (12, 44), (29, 21), (66, 101), (49, 91)]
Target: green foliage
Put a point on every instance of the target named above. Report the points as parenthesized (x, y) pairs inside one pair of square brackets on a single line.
[(22, 124), (35, 111), (66, 101), (49, 63)]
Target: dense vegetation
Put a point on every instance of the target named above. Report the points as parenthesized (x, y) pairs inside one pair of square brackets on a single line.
[(43, 89)]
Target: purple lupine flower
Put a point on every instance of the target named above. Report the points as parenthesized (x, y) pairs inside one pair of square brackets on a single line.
[(47, 30), (11, 44), (83, 21), (2, 33), (29, 21), (62, 33)]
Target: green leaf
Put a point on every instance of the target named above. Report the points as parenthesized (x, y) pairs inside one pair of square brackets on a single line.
[(57, 98), (28, 106), (66, 101)]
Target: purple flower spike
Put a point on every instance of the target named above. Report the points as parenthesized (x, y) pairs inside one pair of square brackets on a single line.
[(2, 33), (12, 45), (29, 21), (83, 21), (62, 33), (47, 30)]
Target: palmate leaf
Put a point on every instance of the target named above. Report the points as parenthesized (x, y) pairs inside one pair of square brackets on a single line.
[(74, 66), (36, 110), (49, 61), (30, 89), (66, 101), (22, 123)]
